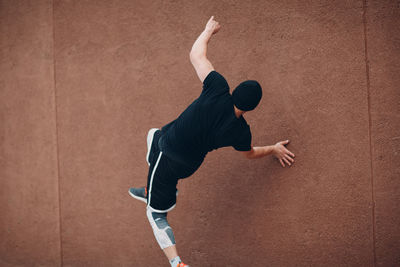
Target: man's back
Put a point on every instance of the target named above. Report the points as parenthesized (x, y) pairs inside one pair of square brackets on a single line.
[(206, 124)]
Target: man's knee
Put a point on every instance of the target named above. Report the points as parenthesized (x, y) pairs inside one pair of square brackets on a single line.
[(161, 228)]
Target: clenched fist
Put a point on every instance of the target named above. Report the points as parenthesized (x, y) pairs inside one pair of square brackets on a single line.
[(212, 25)]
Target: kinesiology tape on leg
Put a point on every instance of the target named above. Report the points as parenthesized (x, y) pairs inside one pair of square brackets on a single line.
[(161, 229)]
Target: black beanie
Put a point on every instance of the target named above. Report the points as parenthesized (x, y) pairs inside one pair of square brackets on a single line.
[(247, 95)]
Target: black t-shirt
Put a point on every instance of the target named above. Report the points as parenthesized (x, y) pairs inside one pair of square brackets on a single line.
[(207, 124)]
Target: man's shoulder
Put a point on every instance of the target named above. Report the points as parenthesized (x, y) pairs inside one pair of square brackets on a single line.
[(214, 84), (245, 127)]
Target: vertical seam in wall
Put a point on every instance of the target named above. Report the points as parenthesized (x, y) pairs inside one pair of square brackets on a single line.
[(365, 5), (57, 147)]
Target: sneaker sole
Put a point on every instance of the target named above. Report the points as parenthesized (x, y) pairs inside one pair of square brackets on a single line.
[(138, 198), (150, 136)]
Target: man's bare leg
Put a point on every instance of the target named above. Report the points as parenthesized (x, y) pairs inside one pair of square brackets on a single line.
[(170, 252)]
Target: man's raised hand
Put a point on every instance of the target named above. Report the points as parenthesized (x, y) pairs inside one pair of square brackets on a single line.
[(212, 25)]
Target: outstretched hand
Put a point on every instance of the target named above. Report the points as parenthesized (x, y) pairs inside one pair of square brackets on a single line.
[(283, 154), (212, 25)]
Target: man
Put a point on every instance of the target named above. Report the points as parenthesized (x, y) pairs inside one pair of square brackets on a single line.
[(213, 120)]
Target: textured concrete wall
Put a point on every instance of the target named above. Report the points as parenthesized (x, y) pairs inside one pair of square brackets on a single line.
[(75, 118), (383, 44), (29, 203)]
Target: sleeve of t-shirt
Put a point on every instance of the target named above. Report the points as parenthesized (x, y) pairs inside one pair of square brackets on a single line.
[(214, 84), (243, 143)]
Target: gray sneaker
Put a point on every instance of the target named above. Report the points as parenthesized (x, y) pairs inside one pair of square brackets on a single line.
[(139, 193)]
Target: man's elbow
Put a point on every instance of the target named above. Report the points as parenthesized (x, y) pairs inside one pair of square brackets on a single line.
[(191, 56), (195, 56)]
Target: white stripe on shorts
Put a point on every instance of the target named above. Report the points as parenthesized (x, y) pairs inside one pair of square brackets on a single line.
[(151, 186), (152, 176)]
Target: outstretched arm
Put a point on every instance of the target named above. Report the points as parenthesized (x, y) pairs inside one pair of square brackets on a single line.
[(198, 54), (278, 150)]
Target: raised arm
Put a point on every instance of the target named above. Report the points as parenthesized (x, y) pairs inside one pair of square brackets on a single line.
[(198, 54), (278, 150)]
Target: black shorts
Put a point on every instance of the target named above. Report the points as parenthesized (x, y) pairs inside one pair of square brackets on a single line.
[(163, 177)]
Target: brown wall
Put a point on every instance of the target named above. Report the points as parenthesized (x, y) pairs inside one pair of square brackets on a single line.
[(29, 177), (83, 81)]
